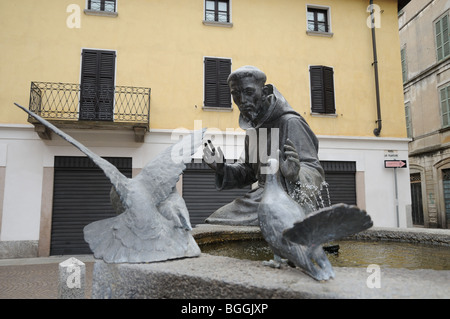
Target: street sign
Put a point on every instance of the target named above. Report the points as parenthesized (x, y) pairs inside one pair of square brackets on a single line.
[(395, 164)]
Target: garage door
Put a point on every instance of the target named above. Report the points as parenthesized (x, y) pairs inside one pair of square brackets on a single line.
[(340, 177), (80, 196), (202, 198), (200, 194)]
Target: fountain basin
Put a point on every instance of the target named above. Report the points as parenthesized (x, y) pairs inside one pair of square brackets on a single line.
[(209, 276), (418, 250)]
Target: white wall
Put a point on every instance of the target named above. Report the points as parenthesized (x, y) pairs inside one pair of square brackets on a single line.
[(23, 183), (369, 154), (25, 155)]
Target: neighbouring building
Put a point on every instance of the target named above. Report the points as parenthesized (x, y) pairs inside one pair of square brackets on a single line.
[(127, 77), (425, 54)]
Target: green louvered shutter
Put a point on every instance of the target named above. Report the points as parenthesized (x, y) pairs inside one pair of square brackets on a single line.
[(217, 92), (322, 89), (442, 38), (97, 85)]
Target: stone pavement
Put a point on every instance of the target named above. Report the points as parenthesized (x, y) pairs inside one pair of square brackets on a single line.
[(37, 278)]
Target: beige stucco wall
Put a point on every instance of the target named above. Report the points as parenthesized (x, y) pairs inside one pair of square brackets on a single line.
[(161, 45)]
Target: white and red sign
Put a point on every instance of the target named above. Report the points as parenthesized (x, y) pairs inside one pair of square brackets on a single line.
[(395, 164)]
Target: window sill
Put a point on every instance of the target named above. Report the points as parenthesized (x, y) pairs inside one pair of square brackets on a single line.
[(100, 13), (320, 34), (218, 24), (217, 109), (332, 115)]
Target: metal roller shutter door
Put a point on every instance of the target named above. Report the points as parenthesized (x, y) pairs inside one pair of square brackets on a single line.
[(340, 177), (80, 196), (202, 198), (200, 194)]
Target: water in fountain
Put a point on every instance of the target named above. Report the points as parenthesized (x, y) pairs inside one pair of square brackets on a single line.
[(311, 196)]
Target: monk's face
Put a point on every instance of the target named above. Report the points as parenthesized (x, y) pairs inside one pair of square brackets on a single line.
[(248, 95)]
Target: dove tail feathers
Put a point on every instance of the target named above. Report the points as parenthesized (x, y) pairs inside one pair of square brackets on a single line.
[(328, 224)]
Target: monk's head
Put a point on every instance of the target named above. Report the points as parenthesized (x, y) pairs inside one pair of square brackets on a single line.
[(247, 86)]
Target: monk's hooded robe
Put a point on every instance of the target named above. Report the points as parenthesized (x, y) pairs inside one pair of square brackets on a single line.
[(277, 114)]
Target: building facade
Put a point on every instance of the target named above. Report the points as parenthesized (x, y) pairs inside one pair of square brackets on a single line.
[(126, 78), (425, 51)]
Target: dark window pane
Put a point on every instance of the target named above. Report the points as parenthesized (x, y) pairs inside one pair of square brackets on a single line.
[(217, 11), (317, 20)]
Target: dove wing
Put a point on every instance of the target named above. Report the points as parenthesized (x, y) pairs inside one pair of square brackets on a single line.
[(161, 174), (330, 223), (114, 175)]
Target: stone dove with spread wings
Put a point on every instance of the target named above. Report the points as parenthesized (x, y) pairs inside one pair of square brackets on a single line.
[(298, 237), (153, 221)]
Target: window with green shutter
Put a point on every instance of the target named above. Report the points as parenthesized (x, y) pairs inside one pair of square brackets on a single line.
[(322, 89), (445, 107), (442, 38), (217, 92), (97, 85), (408, 119), (404, 65)]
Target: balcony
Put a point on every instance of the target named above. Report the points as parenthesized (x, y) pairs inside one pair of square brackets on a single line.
[(69, 105)]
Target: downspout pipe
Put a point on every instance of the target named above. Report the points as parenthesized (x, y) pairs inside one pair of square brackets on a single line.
[(377, 130)]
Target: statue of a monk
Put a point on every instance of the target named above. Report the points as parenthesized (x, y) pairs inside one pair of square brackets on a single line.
[(263, 113)]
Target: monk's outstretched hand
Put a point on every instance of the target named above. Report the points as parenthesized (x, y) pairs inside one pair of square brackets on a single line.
[(213, 157), (290, 162)]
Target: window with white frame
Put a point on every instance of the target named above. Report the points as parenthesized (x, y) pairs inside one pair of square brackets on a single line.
[(102, 5), (318, 20), (217, 11)]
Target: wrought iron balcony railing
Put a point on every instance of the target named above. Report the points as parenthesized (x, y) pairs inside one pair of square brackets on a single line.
[(67, 103)]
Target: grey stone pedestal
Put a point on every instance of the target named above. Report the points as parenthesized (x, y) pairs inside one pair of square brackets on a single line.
[(72, 279), (210, 276)]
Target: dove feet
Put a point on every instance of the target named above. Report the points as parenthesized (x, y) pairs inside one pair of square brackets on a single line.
[(317, 265), (277, 262)]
